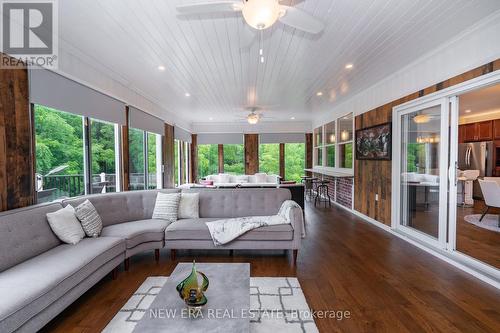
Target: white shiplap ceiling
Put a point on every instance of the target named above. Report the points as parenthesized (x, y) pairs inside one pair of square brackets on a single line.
[(209, 58)]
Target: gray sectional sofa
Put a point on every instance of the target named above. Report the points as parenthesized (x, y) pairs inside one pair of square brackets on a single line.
[(40, 276)]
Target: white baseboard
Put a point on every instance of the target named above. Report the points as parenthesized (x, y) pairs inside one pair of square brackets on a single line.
[(450, 258)]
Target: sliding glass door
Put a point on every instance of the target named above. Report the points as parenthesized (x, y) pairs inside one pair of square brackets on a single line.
[(421, 176)]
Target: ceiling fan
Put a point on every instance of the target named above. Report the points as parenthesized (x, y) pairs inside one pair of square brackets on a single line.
[(259, 14), (255, 114)]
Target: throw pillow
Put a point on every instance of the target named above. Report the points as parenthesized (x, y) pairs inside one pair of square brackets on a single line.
[(65, 225), (167, 206), (189, 206), (223, 178), (90, 219), (242, 179), (261, 178)]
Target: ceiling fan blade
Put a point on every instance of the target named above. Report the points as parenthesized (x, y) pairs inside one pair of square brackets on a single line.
[(301, 20), (210, 7)]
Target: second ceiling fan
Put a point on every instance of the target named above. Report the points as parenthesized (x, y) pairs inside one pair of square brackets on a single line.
[(259, 14)]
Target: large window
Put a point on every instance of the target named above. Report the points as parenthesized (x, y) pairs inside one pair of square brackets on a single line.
[(208, 160), (333, 144), (345, 141), (330, 140), (234, 159), (136, 156), (104, 148), (176, 163), (59, 154), (269, 158), (145, 159), (318, 146), (294, 161)]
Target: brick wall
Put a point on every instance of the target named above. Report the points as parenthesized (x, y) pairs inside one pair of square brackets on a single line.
[(340, 189)]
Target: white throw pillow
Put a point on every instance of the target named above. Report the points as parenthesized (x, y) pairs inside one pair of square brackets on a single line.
[(90, 219), (223, 178), (243, 179), (189, 206), (166, 206), (261, 178), (65, 225)]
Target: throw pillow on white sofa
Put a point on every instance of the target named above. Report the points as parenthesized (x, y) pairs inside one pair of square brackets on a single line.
[(65, 225), (260, 177), (242, 179), (224, 178), (189, 206)]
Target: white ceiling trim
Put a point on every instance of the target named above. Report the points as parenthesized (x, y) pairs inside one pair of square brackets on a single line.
[(474, 47), (261, 127)]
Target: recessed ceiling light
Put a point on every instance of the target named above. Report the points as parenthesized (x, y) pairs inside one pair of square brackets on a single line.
[(349, 66), (210, 118), (319, 93), (187, 94), (293, 118), (161, 68), (468, 111)]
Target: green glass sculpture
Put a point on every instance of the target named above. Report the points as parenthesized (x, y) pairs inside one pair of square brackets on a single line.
[(190, 290)]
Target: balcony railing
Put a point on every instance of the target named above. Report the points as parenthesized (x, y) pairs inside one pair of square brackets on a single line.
[(53, 187)]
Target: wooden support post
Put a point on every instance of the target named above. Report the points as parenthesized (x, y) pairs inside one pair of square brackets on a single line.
[(221, 158), (282, 161)]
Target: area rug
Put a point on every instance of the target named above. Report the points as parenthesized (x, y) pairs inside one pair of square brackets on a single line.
[(278, 304), (489, 221)]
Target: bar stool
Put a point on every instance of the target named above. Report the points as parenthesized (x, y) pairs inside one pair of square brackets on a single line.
[(322, 194), (309, 186)]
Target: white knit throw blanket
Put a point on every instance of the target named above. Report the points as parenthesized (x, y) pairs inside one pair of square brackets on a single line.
[(225, 230)]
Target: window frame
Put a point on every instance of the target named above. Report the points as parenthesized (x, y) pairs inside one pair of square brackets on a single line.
[(337, 144)]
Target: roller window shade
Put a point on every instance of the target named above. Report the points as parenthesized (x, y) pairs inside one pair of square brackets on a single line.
[(145, 121), (220, 138), (56, 91), (182, 134), (282, 138)]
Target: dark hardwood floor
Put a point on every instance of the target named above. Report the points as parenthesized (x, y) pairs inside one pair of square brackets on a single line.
[(387, 284)]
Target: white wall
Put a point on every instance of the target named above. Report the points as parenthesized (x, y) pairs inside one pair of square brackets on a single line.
[(474, 47)]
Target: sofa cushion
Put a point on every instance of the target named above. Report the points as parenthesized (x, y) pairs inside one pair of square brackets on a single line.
[(167, 206), (123, 206), (25, 233), (189, 206), (137, 232), (196, 229), (237, 202), (31, 286)]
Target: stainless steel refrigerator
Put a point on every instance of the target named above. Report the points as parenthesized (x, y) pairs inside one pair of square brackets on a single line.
[(476, 156)]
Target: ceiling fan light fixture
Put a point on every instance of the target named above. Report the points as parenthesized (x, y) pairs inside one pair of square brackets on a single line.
[(253, 118), (261, 14)]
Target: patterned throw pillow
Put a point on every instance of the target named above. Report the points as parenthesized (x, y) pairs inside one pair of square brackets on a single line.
[(167, 206), (90, 219)]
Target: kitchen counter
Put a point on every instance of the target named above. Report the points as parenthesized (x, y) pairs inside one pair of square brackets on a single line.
[(330, 173)]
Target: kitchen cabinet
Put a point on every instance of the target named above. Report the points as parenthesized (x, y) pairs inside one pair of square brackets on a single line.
[(481, 131), (496, 129)]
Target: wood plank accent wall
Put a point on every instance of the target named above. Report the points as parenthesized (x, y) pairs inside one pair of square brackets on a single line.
[(282, 160), (251, 154), (375, 177), (220, 160), (17, 188), (168, 157), (193, 176), (309, 152), (125, 166)]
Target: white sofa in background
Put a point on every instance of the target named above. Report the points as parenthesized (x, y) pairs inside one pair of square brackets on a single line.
[(259, 179)]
